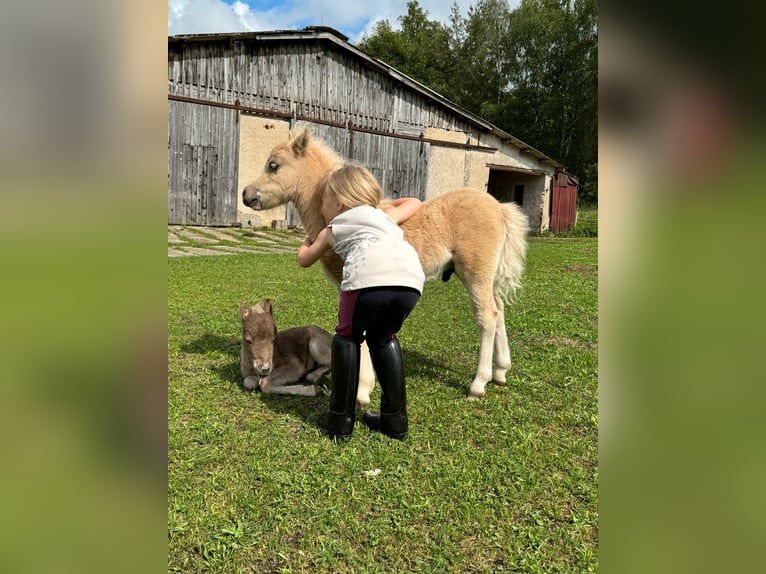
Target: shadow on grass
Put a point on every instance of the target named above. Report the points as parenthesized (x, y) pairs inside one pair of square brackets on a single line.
[(436, 372), (209, 342), (442, 371), (216, 345), (418, 368)]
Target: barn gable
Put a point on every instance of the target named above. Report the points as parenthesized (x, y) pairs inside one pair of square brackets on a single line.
[(231, 97)]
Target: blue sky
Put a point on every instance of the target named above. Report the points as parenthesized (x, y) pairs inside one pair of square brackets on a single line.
[(351, 17)]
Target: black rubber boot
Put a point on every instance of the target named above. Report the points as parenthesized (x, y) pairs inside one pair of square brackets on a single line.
[(344, 366), (392, 420)]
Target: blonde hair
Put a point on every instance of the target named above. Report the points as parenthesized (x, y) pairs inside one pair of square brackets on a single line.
[(352, 185)]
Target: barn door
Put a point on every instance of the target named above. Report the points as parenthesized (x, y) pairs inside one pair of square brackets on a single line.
[(564, 204), (203, 146)]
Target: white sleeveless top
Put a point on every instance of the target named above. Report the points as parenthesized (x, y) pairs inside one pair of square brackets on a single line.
[(374, 251)]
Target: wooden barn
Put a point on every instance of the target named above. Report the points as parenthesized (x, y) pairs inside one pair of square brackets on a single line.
[(232, 97)]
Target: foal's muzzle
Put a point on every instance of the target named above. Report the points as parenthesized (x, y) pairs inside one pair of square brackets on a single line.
[(263, 371), (252, 198)]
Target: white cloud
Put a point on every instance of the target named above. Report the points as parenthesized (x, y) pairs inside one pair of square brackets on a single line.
[(176, 8), (240, 8), (210, 16)]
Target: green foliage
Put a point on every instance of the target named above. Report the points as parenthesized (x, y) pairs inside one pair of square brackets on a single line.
[(587, 195), (586, 225), (553, 96), (481, 58), (531, 71), (420, 49), (506, 484)]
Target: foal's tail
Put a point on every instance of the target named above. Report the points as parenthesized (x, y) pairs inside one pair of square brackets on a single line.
[(514, 252)]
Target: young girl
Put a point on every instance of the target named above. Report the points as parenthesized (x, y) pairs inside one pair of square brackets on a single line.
[(382, 282)]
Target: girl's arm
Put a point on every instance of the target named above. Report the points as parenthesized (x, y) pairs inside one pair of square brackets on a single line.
[(400, 210), (310, 252)]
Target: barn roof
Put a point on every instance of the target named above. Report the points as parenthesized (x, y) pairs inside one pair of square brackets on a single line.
[(327, 34)]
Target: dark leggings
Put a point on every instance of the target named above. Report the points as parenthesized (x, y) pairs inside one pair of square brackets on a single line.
[(374, 314)]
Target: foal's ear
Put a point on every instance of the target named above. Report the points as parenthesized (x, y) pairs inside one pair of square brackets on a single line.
[(301, 142), (267, 306), (244, 310)]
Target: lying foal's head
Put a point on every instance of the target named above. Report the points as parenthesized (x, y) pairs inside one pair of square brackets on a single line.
[(258, 334)]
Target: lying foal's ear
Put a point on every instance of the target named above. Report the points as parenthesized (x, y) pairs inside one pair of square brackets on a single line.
[(244, 310), (267, 306)]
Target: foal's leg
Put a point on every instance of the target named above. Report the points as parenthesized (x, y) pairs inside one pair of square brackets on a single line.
[(321, 351), (317, 373), (252, 382), (485, 312), (502, 352), (366, 378), (296, 390), (290, 372)]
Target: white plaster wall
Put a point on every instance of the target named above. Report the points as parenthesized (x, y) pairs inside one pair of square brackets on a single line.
[(476, 170), (453, 168), (446, 165), (257, 136)]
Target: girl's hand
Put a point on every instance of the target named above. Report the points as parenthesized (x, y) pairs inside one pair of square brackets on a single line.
[(400, 210)]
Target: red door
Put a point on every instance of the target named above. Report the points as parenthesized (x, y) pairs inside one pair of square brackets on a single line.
[(564, 204)]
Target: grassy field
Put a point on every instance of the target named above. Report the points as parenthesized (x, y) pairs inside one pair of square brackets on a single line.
[(506, 484)]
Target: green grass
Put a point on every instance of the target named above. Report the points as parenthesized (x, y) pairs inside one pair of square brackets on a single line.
[(586, 226), (506, 484)]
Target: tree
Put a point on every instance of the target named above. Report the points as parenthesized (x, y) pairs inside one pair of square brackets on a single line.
[(420, 50), (552, 100), (480, 59), (531, 71)]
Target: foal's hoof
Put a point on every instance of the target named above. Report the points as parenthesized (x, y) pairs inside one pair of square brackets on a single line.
[(252, 383), (475, 396)]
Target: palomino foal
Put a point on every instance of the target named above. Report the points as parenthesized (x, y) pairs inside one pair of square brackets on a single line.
[(275, 361)]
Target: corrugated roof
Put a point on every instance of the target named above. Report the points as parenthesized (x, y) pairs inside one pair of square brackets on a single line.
[(325, 33)]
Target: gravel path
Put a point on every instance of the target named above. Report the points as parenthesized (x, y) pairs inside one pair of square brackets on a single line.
[(185, 240)]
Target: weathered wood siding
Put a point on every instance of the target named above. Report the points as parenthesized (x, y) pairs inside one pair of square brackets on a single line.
[(303, 78), (401, 166), (309, 78), (202, 165)]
